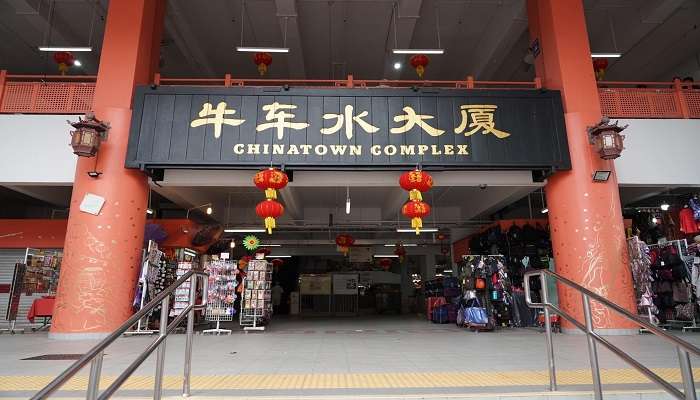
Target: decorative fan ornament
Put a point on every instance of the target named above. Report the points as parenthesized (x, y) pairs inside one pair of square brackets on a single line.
[(251, 242)]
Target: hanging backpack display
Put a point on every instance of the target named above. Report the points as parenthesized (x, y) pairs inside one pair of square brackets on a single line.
[(476, 314)]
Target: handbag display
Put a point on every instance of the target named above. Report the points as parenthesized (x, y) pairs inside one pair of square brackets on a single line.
[(682, 292), (476, 314), (685, 312), (480, 283)]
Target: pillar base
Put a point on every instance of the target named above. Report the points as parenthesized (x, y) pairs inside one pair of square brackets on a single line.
[(602, 332), (78, 336)]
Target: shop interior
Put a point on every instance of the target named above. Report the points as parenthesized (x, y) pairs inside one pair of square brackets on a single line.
[(348, 252)]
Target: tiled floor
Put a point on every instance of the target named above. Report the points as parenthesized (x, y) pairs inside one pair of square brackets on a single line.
[(366, 354)]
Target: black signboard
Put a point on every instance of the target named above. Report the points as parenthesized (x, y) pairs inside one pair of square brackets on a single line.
[(327, 128), (15, 292)]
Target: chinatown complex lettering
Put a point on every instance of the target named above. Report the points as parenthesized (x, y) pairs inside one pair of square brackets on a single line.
[(195, 127)]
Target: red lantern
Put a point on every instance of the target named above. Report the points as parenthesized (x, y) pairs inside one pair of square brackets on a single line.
[(419, 62), (599, 67), (441, 237), (277, 262), (344, 242), (416, 182), (385, 263), (416, 210), (269, 210), (400, 251), (270, 180), (262, 60), (64, 60)]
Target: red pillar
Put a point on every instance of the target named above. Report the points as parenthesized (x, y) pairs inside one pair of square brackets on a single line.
[(102, 254), (588, 234)]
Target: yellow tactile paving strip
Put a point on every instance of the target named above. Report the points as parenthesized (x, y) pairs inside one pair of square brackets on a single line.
[(355, 381)]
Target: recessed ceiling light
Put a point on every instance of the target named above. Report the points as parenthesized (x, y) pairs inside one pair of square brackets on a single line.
[(76, 49), (77, 63), (665, 206), (385, 256), (404, 245), (262, 49), (271, 256), (244, 230), (418, 51), (545, 210), (397, 65)]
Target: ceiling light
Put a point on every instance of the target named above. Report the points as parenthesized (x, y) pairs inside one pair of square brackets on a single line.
[(50, 48), (397, 65), (654, 220), (665, 206), (601, 176), (404, 245), (606, 55), (233, 244), (271, 256), (347, 200), (545, 210), (418, 51), (243, 49), (77, 63), (386, 256), (409, 230), (209, 210), (270, 245), (244, 230), (149, 211)]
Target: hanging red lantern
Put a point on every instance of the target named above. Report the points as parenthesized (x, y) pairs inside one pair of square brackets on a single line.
[(441, 237), (64, 60), (419, 62), (277, 262), (269, 210), (262, 60), (416, 210), (270, 180), (416, 182), (385, 263), (344, 242), (599, 67)]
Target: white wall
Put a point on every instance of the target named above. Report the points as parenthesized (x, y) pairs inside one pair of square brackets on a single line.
[(660, 152), (36, 150)]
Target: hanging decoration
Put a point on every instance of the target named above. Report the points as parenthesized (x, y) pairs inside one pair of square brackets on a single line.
[(385, 263), (65, 60), (400, 251), (251, 242), (344, 242), (419, 62), (599, 67), (416, 210), (270, 180), (277, 262), (269, 210), (262, 60), (415, 183)]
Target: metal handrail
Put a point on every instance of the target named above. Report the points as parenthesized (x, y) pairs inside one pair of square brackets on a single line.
[(96, 354), (683, 347)]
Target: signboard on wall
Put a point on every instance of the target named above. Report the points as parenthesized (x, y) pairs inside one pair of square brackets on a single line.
[(326, 128), (345, 283), (315, 284), (360, 254)]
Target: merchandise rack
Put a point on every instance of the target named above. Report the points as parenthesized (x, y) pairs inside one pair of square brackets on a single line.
[(221, 295), (150, 257), (256, 305)]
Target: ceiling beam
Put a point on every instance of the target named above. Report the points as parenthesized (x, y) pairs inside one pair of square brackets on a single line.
[(178, 29), (408, 15), (289, 21), (498, 40)]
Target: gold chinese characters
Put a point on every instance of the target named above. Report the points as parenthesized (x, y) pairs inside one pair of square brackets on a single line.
[(474, 118)]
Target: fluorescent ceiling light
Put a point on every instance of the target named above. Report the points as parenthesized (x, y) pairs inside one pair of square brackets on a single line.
[(244, 230), (386, 256), (418, 51), (404, 245), (262, 49), (270, 245), (347, 206), (407, 230), (54, 48), (606, 55), (271, 256)]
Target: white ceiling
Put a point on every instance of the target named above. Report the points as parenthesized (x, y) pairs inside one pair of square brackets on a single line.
[(329, 39)]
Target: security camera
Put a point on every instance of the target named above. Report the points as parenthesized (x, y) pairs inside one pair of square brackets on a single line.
[(483, 186)]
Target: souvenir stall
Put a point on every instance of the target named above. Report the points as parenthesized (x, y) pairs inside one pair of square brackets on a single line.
[(256, 304), (643, 276), (221, 294)]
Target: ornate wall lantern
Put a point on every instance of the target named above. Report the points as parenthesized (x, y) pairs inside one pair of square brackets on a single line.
[(607, 138), (88, 135)]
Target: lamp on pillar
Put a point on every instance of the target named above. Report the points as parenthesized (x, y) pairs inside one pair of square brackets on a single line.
[(88, 135), (607, 139)]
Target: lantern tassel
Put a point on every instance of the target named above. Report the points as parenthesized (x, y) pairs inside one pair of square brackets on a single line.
[(269, 225), (415, 194), (417, 223), (271, 193), (420, 70)]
